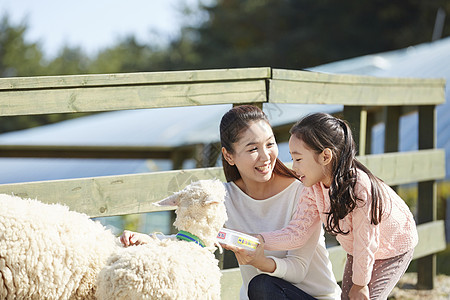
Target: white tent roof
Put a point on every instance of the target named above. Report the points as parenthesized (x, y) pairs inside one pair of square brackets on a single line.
[(171, 127), (147, 127)]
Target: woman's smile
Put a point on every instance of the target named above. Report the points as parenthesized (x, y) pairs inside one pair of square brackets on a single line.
[(264, 169)]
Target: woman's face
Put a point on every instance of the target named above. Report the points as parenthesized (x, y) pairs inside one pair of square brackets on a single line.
[(255, 152), (310, 167)]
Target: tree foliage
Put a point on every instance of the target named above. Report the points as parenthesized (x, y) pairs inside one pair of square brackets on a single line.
[(127, 56), (18, 57), (301, 33), (70, 61)]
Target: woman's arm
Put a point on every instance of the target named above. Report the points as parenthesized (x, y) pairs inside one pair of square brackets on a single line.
[(295, 265), (255, 258), (292, 268)]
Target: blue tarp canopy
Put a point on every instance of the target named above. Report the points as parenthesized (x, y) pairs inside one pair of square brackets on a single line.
[(166, 127)]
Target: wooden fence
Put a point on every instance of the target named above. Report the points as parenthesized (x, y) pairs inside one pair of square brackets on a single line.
[(366, 100)]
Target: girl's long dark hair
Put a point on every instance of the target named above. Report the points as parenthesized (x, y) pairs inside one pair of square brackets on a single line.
[(233, 123), (320, 131)]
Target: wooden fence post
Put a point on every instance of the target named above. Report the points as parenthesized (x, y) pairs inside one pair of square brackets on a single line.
[(356, 116), (392, 118), (391, 131), (370, 123), (427, 195)]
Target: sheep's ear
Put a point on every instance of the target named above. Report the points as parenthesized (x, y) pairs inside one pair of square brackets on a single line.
[(211, 200), (169, 201)]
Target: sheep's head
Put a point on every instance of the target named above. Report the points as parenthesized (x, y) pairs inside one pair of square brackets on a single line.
[(200, 209)]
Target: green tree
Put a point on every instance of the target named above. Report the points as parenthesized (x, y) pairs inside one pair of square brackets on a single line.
[(127, 56), (300, 33), (17, 57), (70, 61)]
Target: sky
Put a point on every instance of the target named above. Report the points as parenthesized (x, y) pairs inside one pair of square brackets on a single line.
[(94, 25)]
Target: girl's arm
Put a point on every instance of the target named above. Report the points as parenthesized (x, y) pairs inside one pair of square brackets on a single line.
[(298, 231), (366, 238)]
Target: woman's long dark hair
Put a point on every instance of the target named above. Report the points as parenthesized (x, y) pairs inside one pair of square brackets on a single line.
[(233, 123), (320, 131)]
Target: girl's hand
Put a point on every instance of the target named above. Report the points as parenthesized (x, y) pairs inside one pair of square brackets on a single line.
[(358, 292), (130, 238)]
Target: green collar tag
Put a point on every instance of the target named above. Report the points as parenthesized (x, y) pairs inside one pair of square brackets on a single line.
[(186, 236)]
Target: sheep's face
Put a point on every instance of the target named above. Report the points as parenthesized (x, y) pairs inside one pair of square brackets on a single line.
[(200, 208)]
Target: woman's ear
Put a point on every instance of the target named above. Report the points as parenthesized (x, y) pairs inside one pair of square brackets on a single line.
[(227, 156), (326, 156)]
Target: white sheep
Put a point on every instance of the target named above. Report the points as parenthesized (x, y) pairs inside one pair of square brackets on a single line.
[(49, 252), (173, 268)]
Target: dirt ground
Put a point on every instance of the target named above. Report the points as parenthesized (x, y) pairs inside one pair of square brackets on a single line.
[(406, 289)]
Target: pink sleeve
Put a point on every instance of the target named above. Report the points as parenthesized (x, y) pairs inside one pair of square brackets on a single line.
[(299, 229), (366, 237)]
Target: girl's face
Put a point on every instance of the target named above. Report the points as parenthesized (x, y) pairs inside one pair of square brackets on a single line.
[(309, 166), (255, 152)]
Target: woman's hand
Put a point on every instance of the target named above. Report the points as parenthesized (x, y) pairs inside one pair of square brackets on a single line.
[(358, 292), (131, 238), (255, 258)]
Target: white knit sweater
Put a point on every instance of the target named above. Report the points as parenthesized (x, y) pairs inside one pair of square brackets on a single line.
[(309, 267)]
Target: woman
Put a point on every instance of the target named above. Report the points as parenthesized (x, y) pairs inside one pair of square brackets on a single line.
[(262, 195)]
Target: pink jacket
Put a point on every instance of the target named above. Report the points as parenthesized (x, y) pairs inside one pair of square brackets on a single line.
[(395, 235)]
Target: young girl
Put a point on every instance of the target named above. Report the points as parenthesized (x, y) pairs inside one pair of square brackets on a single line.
[(262, 195), (372, 223)]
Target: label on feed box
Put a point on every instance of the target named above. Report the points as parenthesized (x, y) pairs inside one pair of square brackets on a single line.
[(238, 239)]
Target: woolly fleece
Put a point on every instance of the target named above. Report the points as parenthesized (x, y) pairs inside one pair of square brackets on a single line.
[(49, 252)]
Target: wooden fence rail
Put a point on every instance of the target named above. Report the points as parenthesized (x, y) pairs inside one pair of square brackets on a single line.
[(134, 193)]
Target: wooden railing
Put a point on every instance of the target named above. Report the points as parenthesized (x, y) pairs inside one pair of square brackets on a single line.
[(366, 101)]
